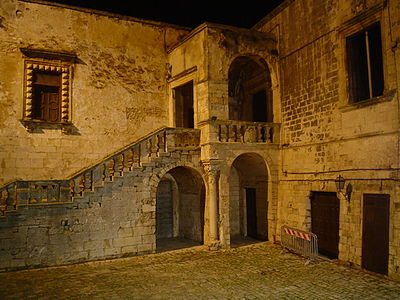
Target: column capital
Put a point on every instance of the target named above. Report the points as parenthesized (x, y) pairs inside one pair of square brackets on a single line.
[(211, 169)]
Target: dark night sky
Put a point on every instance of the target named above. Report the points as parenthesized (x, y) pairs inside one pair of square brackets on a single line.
[(242, 13)]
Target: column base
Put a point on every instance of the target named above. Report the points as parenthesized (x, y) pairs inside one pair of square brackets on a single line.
[(214, 245)]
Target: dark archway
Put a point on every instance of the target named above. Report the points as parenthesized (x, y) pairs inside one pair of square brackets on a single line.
[(249, 90), (180, 206), (248, 194)]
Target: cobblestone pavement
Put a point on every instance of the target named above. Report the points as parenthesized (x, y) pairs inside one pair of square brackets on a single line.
[(257, 271)]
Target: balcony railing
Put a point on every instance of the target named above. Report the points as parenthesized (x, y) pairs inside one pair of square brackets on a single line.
[(230, 131)]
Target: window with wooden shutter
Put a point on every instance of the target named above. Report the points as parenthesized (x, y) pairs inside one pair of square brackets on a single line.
[(365, 64), (46, 96), (47, 89)]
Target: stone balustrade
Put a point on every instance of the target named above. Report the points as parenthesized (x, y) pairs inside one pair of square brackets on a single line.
[(20, 193), (243, 132)]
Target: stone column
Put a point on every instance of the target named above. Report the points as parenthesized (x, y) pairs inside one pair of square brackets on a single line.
[(212, 173)]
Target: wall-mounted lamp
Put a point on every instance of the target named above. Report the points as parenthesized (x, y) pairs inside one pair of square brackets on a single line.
[(340, 184)]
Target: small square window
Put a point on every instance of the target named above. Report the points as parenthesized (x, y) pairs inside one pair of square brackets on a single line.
[(365, 64)]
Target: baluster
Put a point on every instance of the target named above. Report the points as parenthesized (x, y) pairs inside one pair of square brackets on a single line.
[(129, 159), (72, 187), (241, 131), (104, 173), (121, 161), (237, 133), (232, 133), (139, 155), (259, 137), (81, 185), (111, 169), (148, 147), (160, 143), (90, 181), (268, 136)]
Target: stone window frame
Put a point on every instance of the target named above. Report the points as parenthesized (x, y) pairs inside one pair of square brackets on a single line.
[(358, 23), (40, 60), (176, 81)]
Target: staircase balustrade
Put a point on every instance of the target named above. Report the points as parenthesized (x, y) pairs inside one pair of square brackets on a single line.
[(22, 193)]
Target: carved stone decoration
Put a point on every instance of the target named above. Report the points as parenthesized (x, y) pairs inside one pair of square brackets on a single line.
[(358, 6), (43, 193), (250, 135), (64, 70), (211, 170)]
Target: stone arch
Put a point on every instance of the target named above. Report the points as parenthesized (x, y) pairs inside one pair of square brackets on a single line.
[(249, 185), (180, 203), (250, 96)]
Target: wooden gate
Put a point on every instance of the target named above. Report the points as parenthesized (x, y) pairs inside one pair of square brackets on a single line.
[(375, 238), (325, 222)]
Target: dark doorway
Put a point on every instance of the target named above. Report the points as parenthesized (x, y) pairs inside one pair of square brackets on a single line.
[(325, 222), (180, 204), (375, 238), (260, 107), (164, 210), (251, 211), (184, 113), (249, 90)]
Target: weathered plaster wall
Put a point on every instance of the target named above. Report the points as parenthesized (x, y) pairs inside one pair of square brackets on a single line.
[(118, 88), (322, 135)]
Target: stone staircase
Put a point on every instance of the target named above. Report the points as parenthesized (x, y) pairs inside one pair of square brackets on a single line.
[(146, 152), (106, 210)]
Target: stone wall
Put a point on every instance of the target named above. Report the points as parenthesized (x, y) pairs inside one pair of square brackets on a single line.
[(116, 219), (118, 86), (323, 134)]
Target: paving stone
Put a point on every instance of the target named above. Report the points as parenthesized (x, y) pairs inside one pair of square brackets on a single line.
[(257, 271)]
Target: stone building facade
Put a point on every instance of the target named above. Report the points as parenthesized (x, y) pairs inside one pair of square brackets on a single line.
[(117, 132)]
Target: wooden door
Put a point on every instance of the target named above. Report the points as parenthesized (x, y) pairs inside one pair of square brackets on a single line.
[(251, 210), (325, 222), (184, 112), (375, 237)]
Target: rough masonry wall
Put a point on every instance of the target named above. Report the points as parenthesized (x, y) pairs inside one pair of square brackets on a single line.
[(324, 136), (117, 219), (118, 86)]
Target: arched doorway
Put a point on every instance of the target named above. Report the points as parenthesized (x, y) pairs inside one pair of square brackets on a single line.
[(180, 205), (249, 90), (248, 204)]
